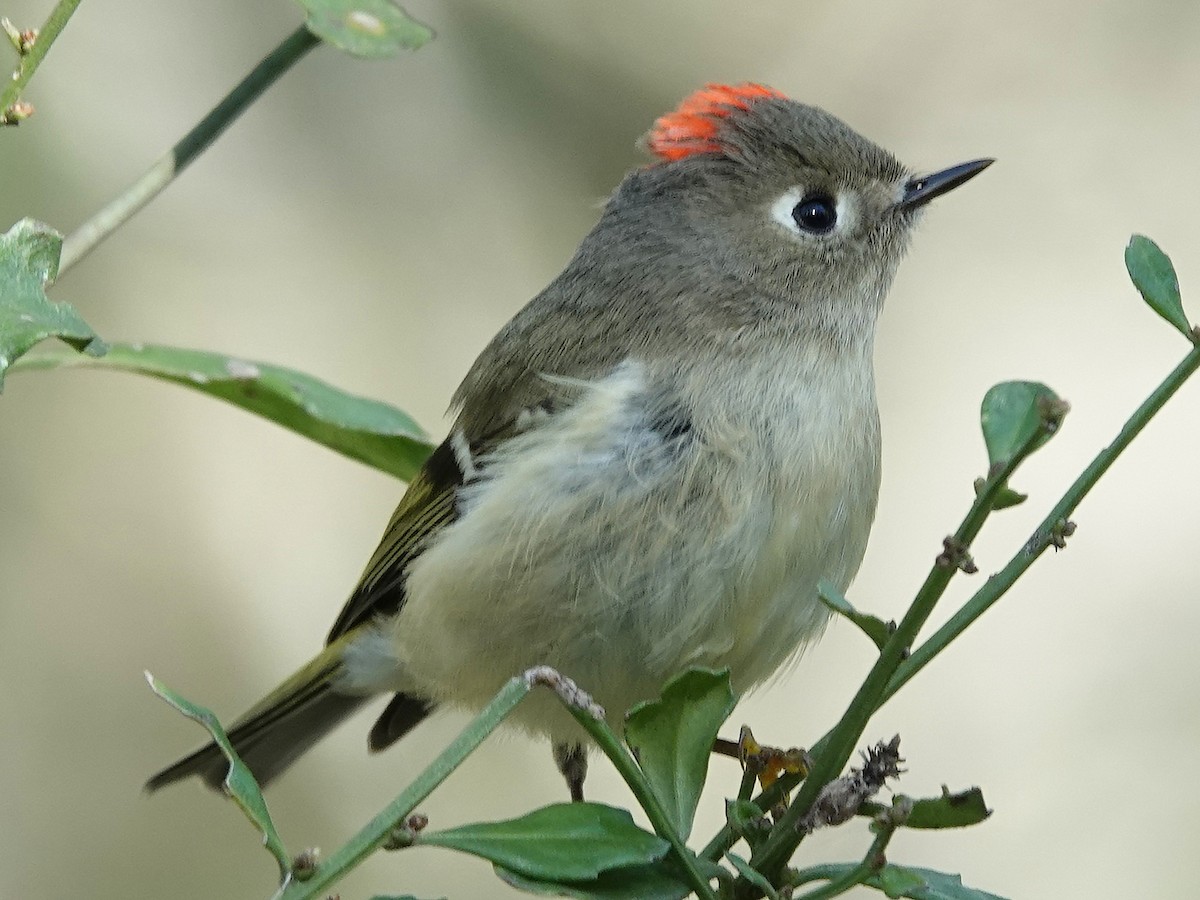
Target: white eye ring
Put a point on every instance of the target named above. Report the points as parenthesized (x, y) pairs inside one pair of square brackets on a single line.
[(783, 212)]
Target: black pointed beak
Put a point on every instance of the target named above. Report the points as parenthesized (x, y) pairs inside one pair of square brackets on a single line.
[(920, 191)]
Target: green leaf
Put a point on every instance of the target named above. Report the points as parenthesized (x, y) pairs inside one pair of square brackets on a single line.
[(672, 739), (752, 875), (872, 626), (366, 28), (747, 821), (924, 884), (564, 842), (1154, 277), (651, 882), (949, 810), (1005, 497), (28, 263), (1013, 414), (897, 881), (367, 430), (239, 783)]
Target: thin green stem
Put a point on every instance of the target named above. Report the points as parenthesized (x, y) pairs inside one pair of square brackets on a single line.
[(377, 832), (844, 881), (47, 35), (1043, 536), (821, 871), (768, 799), (779, 847), (871, 863), (832, 751), (835, 749), (628, 768), (84, 239), (749, 780), (381, 828), (756, 878)]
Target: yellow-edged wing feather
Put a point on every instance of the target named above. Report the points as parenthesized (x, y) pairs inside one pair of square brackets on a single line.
[(428, 506)]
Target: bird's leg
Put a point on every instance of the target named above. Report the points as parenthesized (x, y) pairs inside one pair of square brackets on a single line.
[(571, 760)]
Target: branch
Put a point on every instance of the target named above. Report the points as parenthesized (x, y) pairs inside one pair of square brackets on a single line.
[(32, 57), (380, 829), (829, 751), (1049, 532), (84, 239), (835, 749)]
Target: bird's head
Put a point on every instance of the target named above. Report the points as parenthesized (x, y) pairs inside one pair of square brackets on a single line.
[(748, 187)]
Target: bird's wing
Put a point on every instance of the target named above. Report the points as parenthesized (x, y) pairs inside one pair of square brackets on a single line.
[(506, 391), (429, 505)]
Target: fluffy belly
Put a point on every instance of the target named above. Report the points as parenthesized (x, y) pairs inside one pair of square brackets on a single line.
[(620, 557)]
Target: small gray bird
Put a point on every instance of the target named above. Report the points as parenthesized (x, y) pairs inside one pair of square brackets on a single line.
[(655, 461)]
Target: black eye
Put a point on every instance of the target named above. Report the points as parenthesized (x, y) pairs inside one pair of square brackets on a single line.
[(816, 214)]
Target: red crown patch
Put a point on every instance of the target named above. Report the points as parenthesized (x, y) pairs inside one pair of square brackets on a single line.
[(692, 128)]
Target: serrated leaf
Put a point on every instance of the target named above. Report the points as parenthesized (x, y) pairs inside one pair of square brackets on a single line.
[(29, 254), (365, 28), (239, 783), (924, 884), (367, 430), (672, 739), (652, 882), (1154, 277), (1013, 414), (563, 842), (872, 626)]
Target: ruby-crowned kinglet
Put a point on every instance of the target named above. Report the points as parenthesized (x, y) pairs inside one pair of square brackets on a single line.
[(655, 461)]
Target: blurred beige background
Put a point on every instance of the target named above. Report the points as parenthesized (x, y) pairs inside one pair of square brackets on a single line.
[(374, 223)]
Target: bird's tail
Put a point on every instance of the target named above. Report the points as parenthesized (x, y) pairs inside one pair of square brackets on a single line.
[(278, 729)]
